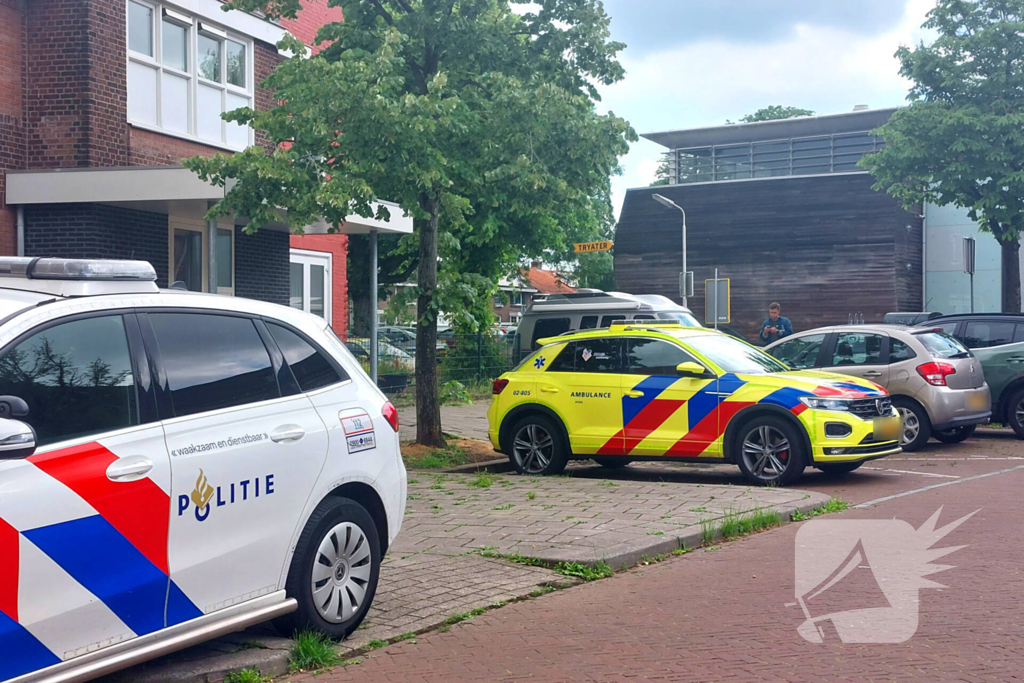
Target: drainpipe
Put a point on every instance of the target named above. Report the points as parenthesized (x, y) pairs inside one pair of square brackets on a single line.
[(21, 231)]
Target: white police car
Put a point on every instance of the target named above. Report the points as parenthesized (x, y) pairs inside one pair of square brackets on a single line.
[(176, 466)]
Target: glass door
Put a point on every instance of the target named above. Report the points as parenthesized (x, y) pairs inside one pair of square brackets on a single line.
[(310, 286)]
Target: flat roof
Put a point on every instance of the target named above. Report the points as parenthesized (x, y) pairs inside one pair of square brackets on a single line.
[(798, 127)]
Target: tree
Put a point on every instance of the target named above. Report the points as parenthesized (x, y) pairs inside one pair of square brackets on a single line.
[(961, 140), (478, 121), (774, 112)]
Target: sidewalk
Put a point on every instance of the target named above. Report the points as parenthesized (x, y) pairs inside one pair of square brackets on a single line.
[(467, 421), (435, 570)]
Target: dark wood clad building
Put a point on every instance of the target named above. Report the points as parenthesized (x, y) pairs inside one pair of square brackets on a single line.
[(822, 243)]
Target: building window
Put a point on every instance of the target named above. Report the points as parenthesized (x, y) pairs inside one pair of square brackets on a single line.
[(184, 73), (190, 254), (796, 156)]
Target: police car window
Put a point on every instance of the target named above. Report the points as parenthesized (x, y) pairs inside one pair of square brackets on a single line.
[(311, 369), (76, 379), (213, 361), (655, 357), (980, 335), (548, 327), (799, 353), (607, 320)]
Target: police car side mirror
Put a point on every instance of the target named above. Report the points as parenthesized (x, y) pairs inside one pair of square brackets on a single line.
[(17, 440), (690, 369)]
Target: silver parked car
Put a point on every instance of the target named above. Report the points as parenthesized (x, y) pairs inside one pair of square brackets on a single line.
[(936, 383)]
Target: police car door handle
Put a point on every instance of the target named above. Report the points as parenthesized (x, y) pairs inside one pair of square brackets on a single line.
[(635, 394), (133, 468), (287, 433)]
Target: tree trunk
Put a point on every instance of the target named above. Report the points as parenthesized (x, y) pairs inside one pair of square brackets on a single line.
[(362, 309), (1011, 275), (428, 404)]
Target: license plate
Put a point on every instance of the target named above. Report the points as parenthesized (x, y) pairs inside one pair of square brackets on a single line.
[(887, 428), (976, 401)]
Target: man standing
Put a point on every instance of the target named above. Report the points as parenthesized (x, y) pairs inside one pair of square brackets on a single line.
[(775, 327)]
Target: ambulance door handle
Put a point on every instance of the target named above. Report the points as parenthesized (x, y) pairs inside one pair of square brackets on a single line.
[(133, 468), (287, 433), (549, 390), (635, 394)]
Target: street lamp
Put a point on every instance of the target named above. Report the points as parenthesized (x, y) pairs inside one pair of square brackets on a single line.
[(665, 201)]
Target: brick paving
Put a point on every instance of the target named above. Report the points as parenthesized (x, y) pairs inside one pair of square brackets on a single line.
[(722, 615), (467, 421)]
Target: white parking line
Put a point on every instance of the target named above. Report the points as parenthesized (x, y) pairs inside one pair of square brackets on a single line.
[(876, 501), (923, 474)]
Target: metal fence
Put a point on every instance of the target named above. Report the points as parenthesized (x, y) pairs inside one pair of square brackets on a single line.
[(460, 357)]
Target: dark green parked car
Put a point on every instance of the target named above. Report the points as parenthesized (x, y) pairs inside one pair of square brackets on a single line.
[(997, 340)]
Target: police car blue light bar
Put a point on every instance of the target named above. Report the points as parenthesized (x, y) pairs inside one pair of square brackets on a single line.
[(75, 269)]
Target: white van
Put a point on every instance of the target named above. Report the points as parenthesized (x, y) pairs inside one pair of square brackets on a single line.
[(589, 309)]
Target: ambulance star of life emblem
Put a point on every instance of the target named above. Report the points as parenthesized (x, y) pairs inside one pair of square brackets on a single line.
[(858, 579)]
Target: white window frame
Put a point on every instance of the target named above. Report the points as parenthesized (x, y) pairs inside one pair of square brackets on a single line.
[(198, 225), (308, 258), (192, 76)]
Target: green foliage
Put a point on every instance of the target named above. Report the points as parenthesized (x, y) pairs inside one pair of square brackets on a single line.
[(833, 505), (774, 113), (245, 676), (477, 120), (734, 524), (454, 393), (437, 459), (707, 531), (599, 570), (476, 357), (482, 482), (376, 644), (312, 650), (961, 140)]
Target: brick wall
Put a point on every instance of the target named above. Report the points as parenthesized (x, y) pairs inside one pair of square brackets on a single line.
[(75, 97), (12, 141), (337, 245), (261, 265), (153, 149), (97, 231)]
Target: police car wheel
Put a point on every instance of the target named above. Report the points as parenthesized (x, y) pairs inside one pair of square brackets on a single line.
[(537, 446), (771, 451), (334, 571)]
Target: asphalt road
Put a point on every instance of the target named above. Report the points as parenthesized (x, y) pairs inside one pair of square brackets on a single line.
[(731, 613)]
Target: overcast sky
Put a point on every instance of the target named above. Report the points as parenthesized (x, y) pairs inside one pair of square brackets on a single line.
[(693, 63)]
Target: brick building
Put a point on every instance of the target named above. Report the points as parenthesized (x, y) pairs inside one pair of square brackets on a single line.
[(99, 102)]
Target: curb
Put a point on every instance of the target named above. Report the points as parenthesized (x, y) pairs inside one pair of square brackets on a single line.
[(632, 554), (497, 466)]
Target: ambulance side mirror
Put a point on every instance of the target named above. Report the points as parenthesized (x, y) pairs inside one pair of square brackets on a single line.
[(17, 440), (691, 369)]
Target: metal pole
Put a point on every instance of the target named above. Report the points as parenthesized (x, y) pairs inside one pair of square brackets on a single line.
[(716, 299), (211, 259), (972, 292), (374, 350), (686, 279)]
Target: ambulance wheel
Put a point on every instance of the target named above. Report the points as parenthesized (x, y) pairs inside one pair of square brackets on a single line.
[(334, 570), (770, 451), (538, 446), (612, 462)]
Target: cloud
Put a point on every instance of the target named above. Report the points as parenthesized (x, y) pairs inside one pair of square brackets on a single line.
[(648, 26), (828, 69)]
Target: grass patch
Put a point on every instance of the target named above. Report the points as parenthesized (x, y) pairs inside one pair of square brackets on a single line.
[(376, 644), (507, 506), (834, 505), (605, 482), (734, 525), (531, 495), (405, 636), (543, 590), (421, 458), (245, 676), (578, 570), (698, 509), (458, 618), (707, 531), (311, 651), (482, 482)]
